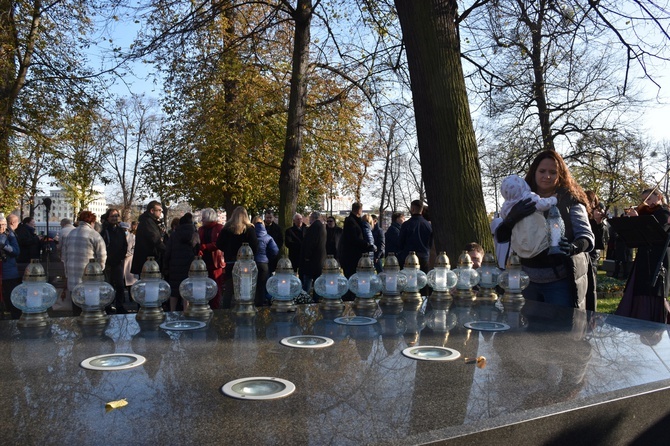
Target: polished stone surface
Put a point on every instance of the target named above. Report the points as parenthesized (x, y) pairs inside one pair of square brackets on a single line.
[(545, 378)]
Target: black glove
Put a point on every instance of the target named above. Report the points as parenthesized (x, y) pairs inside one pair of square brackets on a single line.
[(566, 247), (520, 210)]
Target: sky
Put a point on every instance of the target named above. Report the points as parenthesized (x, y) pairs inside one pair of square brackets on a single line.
[(654, 122)]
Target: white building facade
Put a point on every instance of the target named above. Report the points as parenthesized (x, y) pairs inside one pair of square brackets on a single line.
[(60, 208)]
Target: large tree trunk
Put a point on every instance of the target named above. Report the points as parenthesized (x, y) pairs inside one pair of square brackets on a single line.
[(446, 137), (7, 98), (289, 176)]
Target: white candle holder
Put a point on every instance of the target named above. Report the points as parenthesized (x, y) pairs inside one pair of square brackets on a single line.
[(441, 279), (93, 294), (284, 286), (245, 275)]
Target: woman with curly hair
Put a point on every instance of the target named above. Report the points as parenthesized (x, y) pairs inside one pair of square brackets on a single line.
[(564, 279)]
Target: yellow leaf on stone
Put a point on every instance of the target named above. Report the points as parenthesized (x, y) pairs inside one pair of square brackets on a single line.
[(115, 404)]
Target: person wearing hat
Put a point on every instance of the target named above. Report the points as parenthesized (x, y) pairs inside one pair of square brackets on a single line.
[(9, 273), (182, 247)]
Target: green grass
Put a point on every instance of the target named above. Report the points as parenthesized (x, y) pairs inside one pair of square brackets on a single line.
[(606, 286)]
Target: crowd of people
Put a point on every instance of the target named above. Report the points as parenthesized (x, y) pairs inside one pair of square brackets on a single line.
[(562, 270)]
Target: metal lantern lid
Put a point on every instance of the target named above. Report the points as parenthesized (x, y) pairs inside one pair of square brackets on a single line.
[(284, 266), (412, 261), (464, 260), (391, 262), (34, 272), (514, 261), (489, 260), (365, 264), (150, 269), (245, 252), (93, 272), (442, 261), (198, 268), (331, 266)]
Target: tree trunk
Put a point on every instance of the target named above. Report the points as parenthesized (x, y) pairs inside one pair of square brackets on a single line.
[(7, 78), (446, 137), (289, 176)]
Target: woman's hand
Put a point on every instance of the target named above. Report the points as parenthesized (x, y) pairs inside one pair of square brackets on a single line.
[(519, 211)]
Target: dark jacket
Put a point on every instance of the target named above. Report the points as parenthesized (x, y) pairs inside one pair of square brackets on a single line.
[(352, 244), (293, 239), (230, 243), (313, 252), (148, 242), (333, 236), (9, 268), (267, 247), (116, 243), (416, 235), (380, 244), (275, 232), (182, 247), (392, 238), (29, 243)]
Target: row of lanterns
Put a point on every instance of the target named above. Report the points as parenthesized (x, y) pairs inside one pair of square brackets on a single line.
[(34, 296)]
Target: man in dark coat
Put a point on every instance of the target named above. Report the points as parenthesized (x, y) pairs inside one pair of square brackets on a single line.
[(392, 235), (293, 239), (416, 234), (313, 252), (333, 234), (29, 243), (380, 244), (353, 243), (148, 238), (117, 247)]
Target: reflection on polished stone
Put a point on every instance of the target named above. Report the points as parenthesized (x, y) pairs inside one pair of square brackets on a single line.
[(588, 373)]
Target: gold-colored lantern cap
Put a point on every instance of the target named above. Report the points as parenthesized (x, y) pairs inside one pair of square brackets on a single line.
[(284, 266), (365, 264), (464, 260), (150, 269), (514, 261), (412, 261), (93, 272), (442, 261), (391, 262), (198, 268), (330, 265), (34, 272), (245, 252), (489, 260)]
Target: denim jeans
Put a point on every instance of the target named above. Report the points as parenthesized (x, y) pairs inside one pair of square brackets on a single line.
[(556, 293)]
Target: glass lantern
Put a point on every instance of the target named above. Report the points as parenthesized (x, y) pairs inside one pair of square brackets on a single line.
[(467, 277), (245, 275), (555, 230), (488, 278), (34, 296), (93, 294), (392, 281), (513, 280), (415, 279), (198, 289), (331, 285), (365, 283), (150, 292), (441, 279), (284, 286)]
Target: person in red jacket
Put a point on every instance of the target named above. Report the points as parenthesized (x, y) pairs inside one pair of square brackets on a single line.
[(213, 256)]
